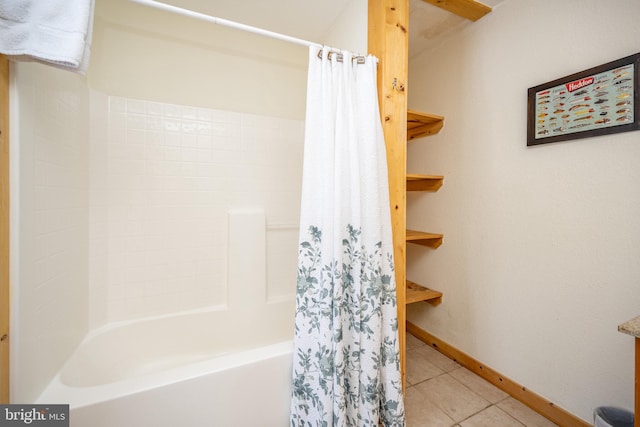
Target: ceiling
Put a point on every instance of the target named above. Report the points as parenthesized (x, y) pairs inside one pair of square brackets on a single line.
[(429, 24), (311, 20)]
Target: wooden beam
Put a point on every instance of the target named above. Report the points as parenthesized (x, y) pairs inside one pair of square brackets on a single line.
[(4, 229), (388, 40), (636, 418), (469, 9), (517, 391)]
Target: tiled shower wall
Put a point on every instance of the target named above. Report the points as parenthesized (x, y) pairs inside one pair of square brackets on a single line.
[(163, 178), (49, 223)]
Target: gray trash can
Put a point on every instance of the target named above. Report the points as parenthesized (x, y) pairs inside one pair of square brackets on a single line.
[(610, 416)]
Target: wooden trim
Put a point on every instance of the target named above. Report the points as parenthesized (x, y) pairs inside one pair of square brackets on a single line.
[(534, 401), (468, 9), (636, 419), (4, 229), (388, 39)]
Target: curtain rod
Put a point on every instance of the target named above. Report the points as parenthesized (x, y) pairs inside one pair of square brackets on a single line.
[(224, 22)]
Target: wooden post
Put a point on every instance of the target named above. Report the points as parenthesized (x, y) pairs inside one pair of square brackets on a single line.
[(4, 229), (389, 41), (636, 411)]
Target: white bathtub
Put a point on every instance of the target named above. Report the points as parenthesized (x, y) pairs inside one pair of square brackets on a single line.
[(209, 368)]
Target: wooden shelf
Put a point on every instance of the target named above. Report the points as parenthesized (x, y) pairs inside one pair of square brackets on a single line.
[(417, 182), (431, 240), (469, 9), (417, 293), (422, 124)]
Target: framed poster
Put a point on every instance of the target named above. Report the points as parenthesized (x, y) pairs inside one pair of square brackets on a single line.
[(598, 101)]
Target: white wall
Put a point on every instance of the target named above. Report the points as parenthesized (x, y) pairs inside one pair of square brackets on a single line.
[(50, 193), (540, 260), (350, 31), (143, 53)]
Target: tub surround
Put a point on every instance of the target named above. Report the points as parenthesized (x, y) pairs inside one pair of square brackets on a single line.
[(246, 243), (632, 327), (49, 223), (176, 190), (128, 204)]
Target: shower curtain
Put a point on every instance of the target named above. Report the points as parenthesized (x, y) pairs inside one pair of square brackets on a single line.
[(346, 362)]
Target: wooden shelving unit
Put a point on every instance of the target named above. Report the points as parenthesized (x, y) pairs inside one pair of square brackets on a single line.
[(388, 40), (388, 21), (421, 125)]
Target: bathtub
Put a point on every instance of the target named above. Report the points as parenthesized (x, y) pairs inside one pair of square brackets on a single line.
[(171, 371)]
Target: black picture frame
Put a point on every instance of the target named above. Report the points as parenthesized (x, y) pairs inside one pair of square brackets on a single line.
[(599, 101)]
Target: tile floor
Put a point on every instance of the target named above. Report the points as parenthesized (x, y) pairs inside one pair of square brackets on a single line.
[(441, 393)]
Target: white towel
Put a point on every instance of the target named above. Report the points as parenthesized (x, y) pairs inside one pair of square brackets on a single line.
[(56, 32)]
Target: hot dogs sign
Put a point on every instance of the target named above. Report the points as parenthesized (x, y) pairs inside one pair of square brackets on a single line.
[(598, 101)]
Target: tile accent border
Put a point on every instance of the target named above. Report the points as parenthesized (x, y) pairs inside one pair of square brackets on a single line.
[(536, 402)]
